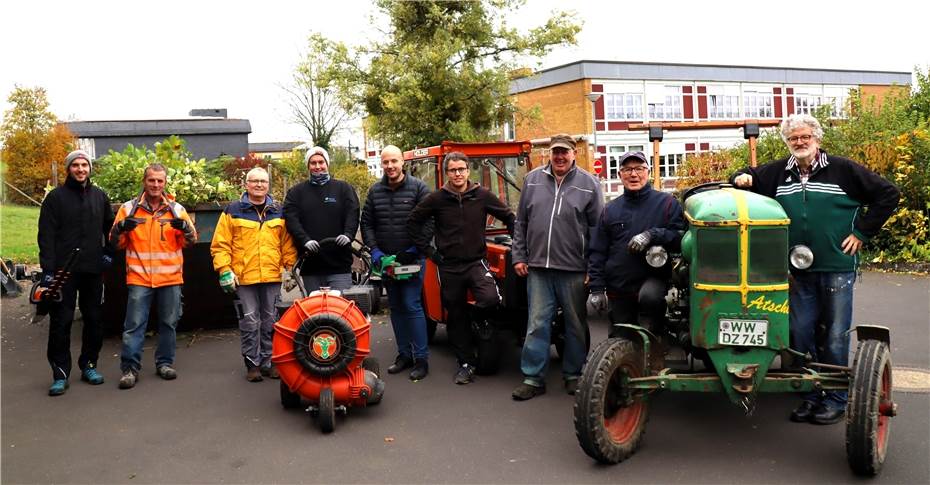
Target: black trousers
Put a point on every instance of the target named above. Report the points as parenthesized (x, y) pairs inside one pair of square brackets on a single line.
[(85, 289), (454, 286), (645, 307)]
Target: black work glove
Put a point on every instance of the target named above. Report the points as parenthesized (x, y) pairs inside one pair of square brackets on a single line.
[(435, 255), (407, 257), (127, 224), (639, 242), (46, 279), (106, 260), (179, 224)]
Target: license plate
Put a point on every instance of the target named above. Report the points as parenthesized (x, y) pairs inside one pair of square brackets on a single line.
[(743, 332)]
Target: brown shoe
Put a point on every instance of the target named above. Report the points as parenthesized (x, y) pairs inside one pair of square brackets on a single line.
[(253, 375), (270, 372)]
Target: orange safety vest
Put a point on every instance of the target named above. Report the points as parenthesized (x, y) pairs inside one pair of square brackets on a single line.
[(154, 256)]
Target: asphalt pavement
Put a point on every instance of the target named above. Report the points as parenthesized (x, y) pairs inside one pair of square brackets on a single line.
[(211, 426)]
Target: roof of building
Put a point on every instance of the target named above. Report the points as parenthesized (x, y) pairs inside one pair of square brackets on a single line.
[(654, 71), (274, 146), (192, 126)]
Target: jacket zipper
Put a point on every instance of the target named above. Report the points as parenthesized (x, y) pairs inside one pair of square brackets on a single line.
[(555, 202)]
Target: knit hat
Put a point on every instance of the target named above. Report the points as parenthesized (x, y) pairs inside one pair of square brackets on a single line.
[(316, 151), (78, 154)]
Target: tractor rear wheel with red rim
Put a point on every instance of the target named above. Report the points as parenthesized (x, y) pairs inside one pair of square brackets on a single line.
[(610, 417)]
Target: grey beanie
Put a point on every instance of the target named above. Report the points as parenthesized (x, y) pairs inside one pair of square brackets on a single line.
[(316, 151), (78, 154)]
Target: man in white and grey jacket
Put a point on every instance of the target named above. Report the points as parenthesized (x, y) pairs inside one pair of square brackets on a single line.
[(559, 208)]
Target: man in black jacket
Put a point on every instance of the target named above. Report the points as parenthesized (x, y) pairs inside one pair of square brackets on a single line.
[(384, 230), (459, 211), (75, 216), (617, 269), (320, 208)]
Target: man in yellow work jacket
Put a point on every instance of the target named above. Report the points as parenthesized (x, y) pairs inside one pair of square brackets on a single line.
[(153, 229), (250, 248)]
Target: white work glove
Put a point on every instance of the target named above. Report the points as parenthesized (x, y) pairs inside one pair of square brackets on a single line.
[(288, 282), (342, 240), (597, 302), (312, 246)]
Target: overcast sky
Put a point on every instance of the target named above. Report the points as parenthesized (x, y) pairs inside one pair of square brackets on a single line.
[(147, 60)]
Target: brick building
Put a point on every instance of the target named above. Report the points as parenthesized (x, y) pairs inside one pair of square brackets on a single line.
[(632, 92)]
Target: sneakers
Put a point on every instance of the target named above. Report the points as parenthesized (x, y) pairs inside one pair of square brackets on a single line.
[(90, 375), (571, 386), (254, 374), (270, 372), (465, 374), (401, 363), (525, 391), (58, 387), (128, 380), (420, 369), (166, 372)]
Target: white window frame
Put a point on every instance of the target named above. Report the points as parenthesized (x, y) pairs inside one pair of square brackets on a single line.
[(664, 102), (723, 102), (758, 102)]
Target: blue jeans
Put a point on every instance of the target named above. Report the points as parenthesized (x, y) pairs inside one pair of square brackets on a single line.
[(547, 290), (822, 298), (168, 303), (407, 317)]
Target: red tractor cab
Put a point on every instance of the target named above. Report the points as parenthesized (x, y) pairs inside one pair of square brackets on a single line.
[(499, 167)]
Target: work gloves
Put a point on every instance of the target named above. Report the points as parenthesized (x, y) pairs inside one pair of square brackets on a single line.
[(46, 279), (312, 246), (180, 224), (376, 255), (106, 259), (597, 302), (408, 256), (288, 282), (127, 224), (639, 242), (342, 240), (228, 281)]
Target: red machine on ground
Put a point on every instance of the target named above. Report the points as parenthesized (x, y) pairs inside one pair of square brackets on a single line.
[(321, 349)]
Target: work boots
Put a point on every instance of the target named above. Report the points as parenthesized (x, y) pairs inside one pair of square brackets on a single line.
[(420, 369)]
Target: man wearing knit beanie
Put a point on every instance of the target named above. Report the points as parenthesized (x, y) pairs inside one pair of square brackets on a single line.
[(323, 208), (76, 215)]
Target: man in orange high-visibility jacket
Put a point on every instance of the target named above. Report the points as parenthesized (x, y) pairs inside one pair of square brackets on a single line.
[(153, 229)]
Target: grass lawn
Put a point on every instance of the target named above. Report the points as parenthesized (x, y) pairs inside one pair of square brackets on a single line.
[(18, 227)]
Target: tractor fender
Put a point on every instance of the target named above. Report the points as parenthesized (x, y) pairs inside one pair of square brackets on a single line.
[(872, 332)]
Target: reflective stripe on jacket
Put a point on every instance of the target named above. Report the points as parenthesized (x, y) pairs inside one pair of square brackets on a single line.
[(255, 246), (154, 256)]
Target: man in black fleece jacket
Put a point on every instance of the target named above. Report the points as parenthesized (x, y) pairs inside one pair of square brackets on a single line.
[(76, 215), (460, 211), (319, 208)]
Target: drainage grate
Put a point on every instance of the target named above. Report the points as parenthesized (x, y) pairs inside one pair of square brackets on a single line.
[(909, 379)]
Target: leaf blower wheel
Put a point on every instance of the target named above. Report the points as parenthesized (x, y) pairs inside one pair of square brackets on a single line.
[(325, 344)]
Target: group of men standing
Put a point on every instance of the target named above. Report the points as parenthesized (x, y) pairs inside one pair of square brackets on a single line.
[(566, 242)]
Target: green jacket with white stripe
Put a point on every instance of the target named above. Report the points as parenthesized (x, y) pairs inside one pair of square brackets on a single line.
[(840, 197)]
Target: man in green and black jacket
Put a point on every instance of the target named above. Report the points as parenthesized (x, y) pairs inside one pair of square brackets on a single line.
[(835, 206)]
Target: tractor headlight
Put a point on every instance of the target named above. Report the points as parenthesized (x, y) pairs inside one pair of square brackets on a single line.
[(656, 256), (801, 257)]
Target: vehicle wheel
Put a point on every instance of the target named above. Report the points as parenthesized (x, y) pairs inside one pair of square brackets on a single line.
[(289, 399), (327, 411), (489, 355), (431, 329), (610, 420), (371, 364), (870, 408)]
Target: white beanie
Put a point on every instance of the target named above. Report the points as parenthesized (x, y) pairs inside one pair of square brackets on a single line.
[(316, 151)]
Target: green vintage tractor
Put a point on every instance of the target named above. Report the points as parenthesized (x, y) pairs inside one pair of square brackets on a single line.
[(728, 307)]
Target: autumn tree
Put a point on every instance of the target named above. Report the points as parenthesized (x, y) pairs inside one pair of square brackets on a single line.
[(33, 141), (311, 102), (442, 70)]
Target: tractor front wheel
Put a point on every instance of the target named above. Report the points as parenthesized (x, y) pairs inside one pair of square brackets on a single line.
[(610, 417), (870, 408), (327, 411)]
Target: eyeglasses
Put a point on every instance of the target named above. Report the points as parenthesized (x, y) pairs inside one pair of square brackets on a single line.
[(456, 171), (801, 138), (257, 182), (629, 170)]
